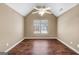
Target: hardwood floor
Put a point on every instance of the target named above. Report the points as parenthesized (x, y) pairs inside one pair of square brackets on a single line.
[(41, 47)]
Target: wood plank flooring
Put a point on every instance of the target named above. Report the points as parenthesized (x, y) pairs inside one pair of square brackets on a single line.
[(41, 47)]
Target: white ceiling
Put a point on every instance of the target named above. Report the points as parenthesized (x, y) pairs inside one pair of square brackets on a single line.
[(56, 8)]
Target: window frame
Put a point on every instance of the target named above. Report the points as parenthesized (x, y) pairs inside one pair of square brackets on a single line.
[(40, 26)]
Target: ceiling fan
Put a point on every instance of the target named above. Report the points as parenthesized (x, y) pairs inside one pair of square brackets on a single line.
[(42, 10)]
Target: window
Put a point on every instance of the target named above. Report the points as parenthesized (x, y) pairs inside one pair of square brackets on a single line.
[(40, 26)]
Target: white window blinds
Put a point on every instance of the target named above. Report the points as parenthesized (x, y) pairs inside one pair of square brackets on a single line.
[(40, 26)]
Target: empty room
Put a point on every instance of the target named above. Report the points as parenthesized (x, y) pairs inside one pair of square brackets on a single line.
[(39, 29)]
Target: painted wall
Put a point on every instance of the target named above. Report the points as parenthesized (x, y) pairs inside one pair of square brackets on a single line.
[(68, 28), (11, 27), (28, 25)]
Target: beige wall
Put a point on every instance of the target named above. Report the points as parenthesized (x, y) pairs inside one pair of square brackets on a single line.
[(52, 23), (68, 27), (11, 27)]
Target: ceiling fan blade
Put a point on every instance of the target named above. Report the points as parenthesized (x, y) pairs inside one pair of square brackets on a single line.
[(34, 12), (36, 8), (48, 12), (48, 8)]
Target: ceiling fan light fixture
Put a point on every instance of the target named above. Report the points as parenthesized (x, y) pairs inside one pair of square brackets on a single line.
[(41, 11)]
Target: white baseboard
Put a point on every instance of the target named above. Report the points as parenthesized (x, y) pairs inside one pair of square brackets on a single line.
[(13, 46), (40, 37), (68, 46)]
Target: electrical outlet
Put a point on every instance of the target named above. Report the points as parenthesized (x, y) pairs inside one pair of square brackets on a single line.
[(7, 44), (77, 45), (71, 42)]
